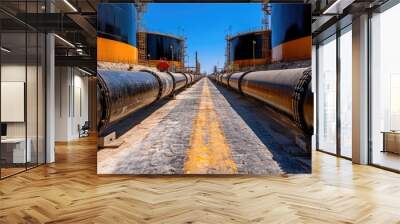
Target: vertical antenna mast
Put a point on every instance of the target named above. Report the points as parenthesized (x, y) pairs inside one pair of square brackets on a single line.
[(141, 9), (266, 7), (266, 36), (140, 35)]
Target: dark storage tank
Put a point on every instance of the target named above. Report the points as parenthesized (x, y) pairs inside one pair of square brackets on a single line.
[(116, 21), (161, 46), (116, 33), (249, 48), (291, 32)]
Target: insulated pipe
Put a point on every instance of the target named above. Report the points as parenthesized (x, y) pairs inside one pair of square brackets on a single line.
[(308, 109), (235, 79), (180, 80), (166, 82), (216, 77), (173, 82), (225, 78), (188, 79), (121, 93), (213, 76), (219, 76), (192, 78), (197, 77), (287, 90)]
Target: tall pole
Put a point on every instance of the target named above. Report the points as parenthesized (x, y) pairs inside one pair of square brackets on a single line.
[(254, 53), (172, 52), (196, 63)]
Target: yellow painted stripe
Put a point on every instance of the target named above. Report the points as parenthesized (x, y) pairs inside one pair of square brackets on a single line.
[(209, 151)]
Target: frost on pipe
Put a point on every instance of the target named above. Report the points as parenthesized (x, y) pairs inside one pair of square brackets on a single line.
[(121, 93)]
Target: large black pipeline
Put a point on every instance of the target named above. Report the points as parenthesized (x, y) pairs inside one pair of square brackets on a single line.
[(188, 79), (225, 78), (121, 93), (180, 80), (288, 91), (166, 81)]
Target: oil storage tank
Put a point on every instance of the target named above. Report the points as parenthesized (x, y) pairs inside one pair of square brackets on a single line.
[(156, 47), (290, 32), (116, 33), (249, 49)]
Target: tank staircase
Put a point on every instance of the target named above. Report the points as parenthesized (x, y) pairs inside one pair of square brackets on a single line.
[(141, 36)]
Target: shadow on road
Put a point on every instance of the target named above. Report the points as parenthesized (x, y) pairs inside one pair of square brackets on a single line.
[(274, 130), (124, 125)]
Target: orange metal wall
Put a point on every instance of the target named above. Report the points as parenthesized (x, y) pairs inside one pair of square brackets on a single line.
[(295, 50), (154, 63), (115, 51), (291, 51), (250, 62)]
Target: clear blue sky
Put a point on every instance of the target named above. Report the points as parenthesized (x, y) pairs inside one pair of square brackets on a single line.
[(204, 25)]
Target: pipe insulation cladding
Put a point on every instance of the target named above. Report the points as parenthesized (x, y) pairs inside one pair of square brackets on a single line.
[(288, 91), (180, 80), (121, 93)]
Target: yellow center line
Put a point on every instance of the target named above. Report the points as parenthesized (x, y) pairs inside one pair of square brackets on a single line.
[(209, 151)]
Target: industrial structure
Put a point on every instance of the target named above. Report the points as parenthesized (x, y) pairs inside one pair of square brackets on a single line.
[(116, 36), (274, 65), (49, 90), (157, 47), (291, 35), (284, 42), (246, 50), (121, 93), (141, 67), (287, 91)]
